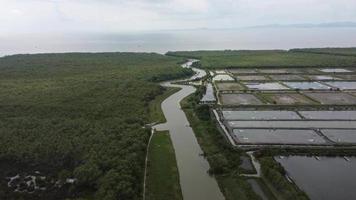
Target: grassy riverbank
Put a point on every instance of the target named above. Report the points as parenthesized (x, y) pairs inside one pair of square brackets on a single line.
[(155, 107), (223, 159), (162, 172)]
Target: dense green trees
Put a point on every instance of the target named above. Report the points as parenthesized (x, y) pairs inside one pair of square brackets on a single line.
[(80, 115), (343, 57), (330, 51)]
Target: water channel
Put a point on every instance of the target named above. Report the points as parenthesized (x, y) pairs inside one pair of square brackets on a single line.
[(195, 182)]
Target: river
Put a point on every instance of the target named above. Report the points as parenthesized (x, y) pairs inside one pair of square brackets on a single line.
[(194, 180)]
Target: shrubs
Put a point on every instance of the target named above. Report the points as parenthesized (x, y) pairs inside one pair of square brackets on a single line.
[(202, 112), (275, 173), (219, 164)]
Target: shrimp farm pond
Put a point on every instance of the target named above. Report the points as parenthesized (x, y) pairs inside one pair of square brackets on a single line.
[(287, 106), (322, 178), (292, 114), (292, 108)]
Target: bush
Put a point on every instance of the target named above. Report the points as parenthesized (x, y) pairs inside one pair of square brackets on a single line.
[(202, 112)]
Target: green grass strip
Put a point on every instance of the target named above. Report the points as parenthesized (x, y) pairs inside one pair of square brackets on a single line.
[(162, 171)]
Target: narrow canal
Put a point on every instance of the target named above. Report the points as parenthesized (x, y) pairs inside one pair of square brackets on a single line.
[(194, 180)]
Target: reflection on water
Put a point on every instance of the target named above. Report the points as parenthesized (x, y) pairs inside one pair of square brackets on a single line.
[(324, 179), (306, 85), (277, 136), (163, 41), (294, 124), (259, 115)]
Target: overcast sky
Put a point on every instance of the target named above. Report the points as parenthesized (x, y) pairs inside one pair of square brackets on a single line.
[(31, 16)]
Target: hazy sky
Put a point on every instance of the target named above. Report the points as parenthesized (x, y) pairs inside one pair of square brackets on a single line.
[(31, 16)]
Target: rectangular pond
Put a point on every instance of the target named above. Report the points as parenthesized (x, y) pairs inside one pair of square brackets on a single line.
[(293, 124), (328, 178), (335, 70), (347, 76), (340, 136), (277, 136), (259, 115), (246, 163), (306, 85), (266, 86), (342, 115), (343, 85), (243, 71), (323, 77), (273, 71), (287, 99), (229, 86), (332, 97), (209, 94), (286, 77), (251, 78), (239, 99), (223, 77)]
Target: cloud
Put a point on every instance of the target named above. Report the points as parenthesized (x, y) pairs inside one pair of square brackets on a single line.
[(16, 12), (25, 16), (199, 6)]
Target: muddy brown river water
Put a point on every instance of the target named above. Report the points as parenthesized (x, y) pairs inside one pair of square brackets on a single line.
[(195, 181)]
